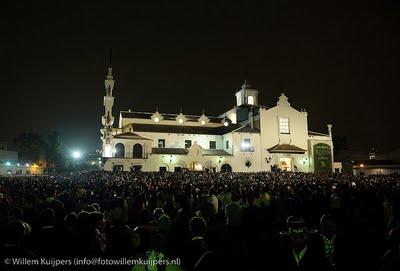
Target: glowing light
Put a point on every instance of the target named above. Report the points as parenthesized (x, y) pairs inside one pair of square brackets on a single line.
[(107, 151), (76, 154), (203, 122), (226, 123), (93, 162), (180, 118), (245, 145), (156, 119), (250, 100), (362, 165), (27, 165), (18, 164), (8, 164)]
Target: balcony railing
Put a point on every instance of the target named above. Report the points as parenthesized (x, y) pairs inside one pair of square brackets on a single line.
[(130, 155), (247, 149)]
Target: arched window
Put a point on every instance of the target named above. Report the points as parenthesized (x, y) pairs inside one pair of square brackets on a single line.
[(137, 151), (250, 100), (119, 150), (226, 168)]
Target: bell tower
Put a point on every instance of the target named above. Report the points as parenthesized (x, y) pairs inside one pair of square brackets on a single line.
[(108, 118), (247, 95)]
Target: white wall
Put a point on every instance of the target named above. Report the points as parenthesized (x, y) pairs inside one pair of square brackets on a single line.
[(178, 140), (270, 135)]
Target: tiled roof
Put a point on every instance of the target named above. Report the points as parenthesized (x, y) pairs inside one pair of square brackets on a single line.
[(286, 148), (317, 133), (177, 151), (130, 135), (184, 129), (147, 115), (247, 129), (215, 153)]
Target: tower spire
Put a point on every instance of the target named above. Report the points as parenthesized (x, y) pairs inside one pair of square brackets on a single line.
[(110, 60), (246, 82), (108, 118), (109, 74)]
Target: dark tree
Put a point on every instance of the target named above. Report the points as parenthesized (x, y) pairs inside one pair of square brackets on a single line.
[(340, 144), (31, 147), (55, 151)]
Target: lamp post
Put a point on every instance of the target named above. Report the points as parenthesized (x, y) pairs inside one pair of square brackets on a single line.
[(76, 155)]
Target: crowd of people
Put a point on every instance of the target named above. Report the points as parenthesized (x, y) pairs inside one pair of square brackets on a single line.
[(209, 221)]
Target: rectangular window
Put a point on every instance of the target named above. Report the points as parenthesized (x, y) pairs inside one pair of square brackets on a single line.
[(227, 144), (284, 125), (246, 145), (213, 145), (188, 144), (161, 143)]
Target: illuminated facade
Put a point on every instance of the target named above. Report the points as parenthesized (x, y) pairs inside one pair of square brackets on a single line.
[(246, 138)]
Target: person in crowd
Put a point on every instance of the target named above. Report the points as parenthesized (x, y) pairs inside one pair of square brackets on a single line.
[(234, 211), (129, 214), (198, 228), (302, 249), (328, 234)]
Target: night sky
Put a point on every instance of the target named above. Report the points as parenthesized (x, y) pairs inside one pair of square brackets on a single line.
[(337, 59)]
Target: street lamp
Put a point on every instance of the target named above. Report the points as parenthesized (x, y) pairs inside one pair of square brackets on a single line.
[(76, 154)]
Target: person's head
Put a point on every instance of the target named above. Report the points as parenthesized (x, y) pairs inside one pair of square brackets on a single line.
[(297, 230), (211, 240), (47, 217), (327, 225), (141, 238), (181, 201), (15, 214), (84, 221), (96, 206), (15, 232), (235, 196), (394, 238), (120, 241), (158, 212), (197, 226), (97, 219), (90, 209), (145, 217), (118, 216), (252, 198), (70, 220)]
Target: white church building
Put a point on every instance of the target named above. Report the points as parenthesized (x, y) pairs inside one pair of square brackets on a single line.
[(247, 138)]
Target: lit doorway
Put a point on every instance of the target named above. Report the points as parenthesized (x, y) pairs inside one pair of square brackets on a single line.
[(285, 164), (195, 166)]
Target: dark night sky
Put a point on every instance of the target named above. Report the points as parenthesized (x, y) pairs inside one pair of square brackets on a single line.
[(337, 59)]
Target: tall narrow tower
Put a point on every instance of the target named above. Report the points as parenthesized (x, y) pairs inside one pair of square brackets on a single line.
[(108, 118)]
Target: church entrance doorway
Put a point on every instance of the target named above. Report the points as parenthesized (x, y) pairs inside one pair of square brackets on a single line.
[(136, 168), (226, 168), (195, 166), (285, 164), (118, 168)]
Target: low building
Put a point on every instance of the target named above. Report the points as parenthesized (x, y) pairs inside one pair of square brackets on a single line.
[(9, 164), (376, 167)]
